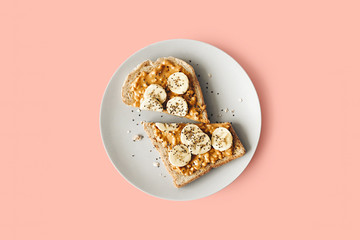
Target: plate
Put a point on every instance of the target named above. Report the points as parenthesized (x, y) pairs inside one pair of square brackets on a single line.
[(225, 85)]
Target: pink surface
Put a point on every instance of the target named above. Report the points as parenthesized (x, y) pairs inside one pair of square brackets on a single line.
[(56, 181)]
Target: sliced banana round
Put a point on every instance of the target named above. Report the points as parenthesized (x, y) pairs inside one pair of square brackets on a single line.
[(166, 127), (177, 106), (221, 139), (179, 155), (155, 91), (151, 104), (200, 144), (178, 83), (188, 133)]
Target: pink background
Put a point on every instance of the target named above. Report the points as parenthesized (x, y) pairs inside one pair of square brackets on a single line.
[(56, 181)]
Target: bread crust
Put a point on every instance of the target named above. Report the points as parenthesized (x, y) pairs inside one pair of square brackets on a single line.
[(180, 180), (147, 66)]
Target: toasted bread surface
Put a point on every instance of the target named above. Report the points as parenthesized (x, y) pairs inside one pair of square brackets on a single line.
[(147, 66), (181, 180)]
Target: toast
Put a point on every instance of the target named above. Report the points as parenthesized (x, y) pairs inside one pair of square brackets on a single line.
[(148, 73), (179, 178)]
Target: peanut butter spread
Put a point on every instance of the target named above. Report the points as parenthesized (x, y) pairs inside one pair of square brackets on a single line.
[(171, 138), (159, 75)]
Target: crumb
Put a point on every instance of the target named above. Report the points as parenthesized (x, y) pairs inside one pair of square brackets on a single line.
[(128, 131), (210, 75), (156, 164), (219, 115), (226, 110), (233, 110), (139, 110), (240, 100), (137, 138)]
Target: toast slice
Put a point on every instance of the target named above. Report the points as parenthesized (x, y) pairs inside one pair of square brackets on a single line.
[(157, 72), (164, 142)]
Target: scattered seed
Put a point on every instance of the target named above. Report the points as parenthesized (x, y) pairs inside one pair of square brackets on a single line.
[(226, 110), (128, 131), (139, 110), (156, 164), (240, 100), (210, 75)]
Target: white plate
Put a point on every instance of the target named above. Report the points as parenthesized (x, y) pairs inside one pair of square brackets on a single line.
[(229, 83)]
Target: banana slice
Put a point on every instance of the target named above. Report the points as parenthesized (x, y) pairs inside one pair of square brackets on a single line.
[(177, 106), (151, 104), (178, 83), (200, 144), (167, 127), (180, 155), (188, 133), (155, 91), (221, 139)]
